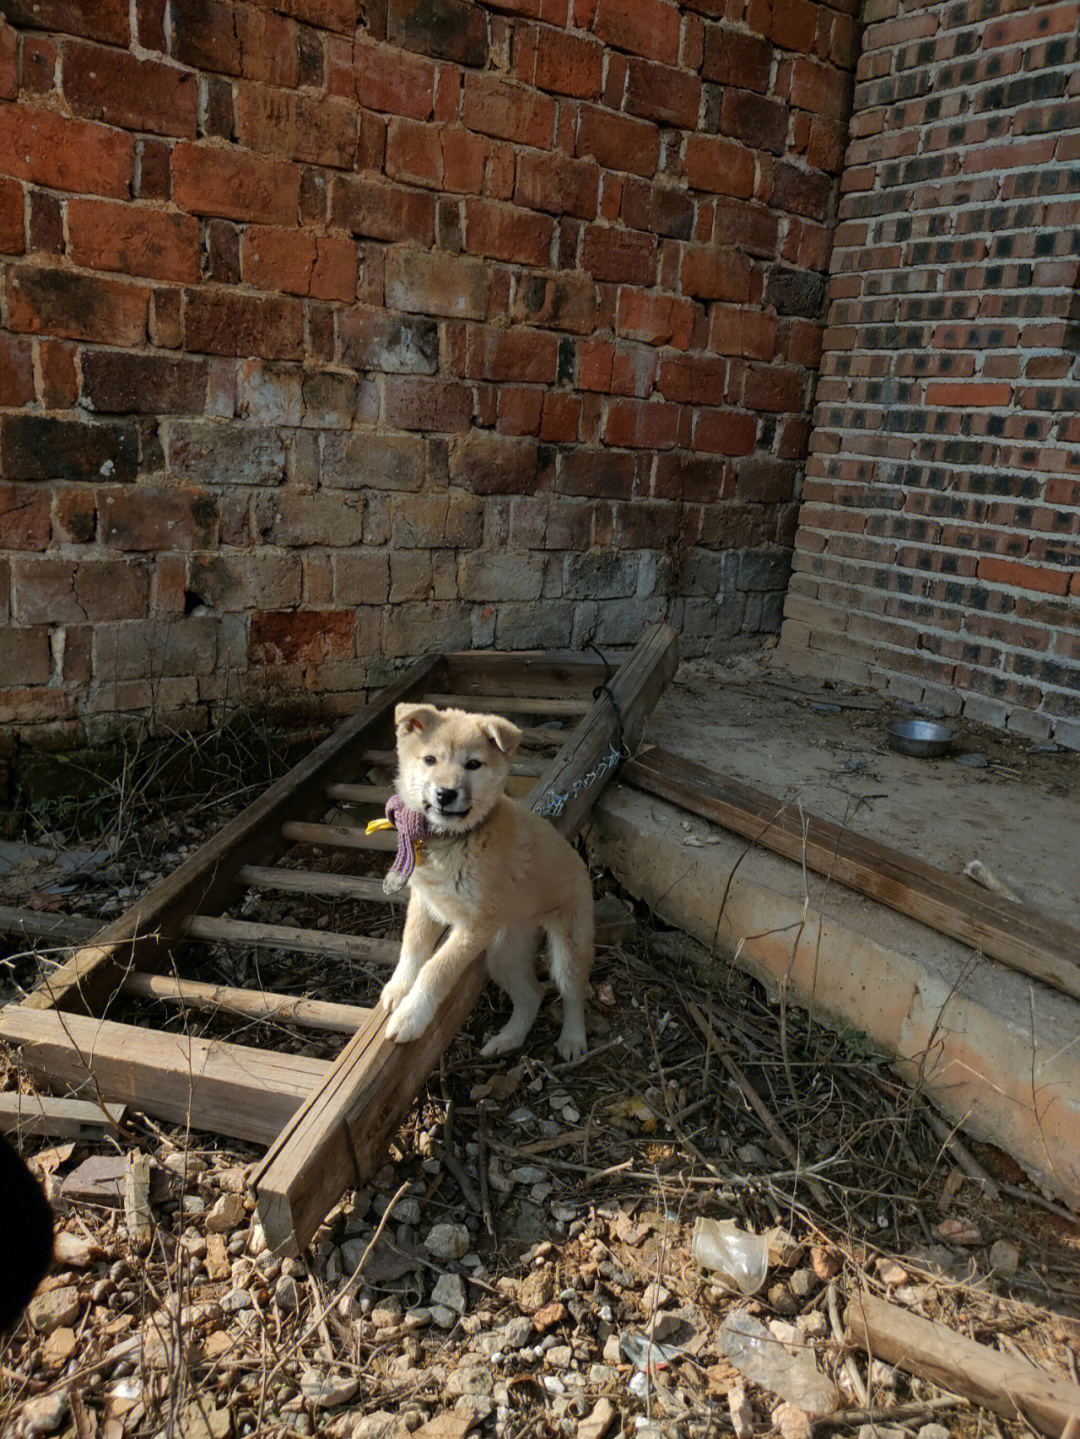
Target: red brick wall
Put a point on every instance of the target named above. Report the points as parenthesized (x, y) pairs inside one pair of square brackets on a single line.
[(938, 548), (348, 328)]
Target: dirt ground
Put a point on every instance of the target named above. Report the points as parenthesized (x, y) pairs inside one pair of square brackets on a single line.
[(531, 1231)]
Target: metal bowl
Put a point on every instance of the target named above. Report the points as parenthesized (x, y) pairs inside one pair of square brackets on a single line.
[(922, 738)]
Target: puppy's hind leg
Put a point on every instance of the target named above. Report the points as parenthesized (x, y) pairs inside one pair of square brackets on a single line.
[(571, 961), (510, 961)]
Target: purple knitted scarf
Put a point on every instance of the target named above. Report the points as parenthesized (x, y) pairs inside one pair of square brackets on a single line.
[(411, 827)]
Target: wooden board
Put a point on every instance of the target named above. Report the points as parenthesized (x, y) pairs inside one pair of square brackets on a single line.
[(1007, 1384), (339, 1136), (1009, 932), (230, 1089), (22, 1115), (143, 935)]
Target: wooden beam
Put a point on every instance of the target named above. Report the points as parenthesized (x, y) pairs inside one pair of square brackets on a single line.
[(255, 1004), (316, 882), (568, 786), (1007, 1384), (1017, 936), (230, 1089), (143, 935), (33, 924), (339, 1136), (213, 930), (24, 1115)]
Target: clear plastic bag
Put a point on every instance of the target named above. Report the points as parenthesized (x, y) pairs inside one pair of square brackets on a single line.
[(740, 1258), (746, 1342)]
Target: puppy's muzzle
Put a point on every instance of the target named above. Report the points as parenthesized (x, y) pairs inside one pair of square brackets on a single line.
[(449, 803)]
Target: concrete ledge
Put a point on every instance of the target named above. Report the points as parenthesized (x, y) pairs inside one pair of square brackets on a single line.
[(998, 1053)]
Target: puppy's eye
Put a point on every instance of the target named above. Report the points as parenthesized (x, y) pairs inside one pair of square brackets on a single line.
[(472, 764), (429, 759)]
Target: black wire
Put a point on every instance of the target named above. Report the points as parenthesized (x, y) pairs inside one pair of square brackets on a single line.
[(603, 688)]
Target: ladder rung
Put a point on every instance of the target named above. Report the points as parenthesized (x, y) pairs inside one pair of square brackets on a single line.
[(337, 836), (280, 936), (248, 1003), (359, 793), (316, 882)]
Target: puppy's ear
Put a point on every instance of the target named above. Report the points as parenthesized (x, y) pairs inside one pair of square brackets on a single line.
[(414, 719), (502, 733)]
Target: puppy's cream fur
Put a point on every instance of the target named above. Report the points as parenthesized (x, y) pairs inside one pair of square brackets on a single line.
[(495, 873)]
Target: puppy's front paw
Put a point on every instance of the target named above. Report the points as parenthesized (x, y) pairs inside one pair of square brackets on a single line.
[(394, 991), (409, 1021)]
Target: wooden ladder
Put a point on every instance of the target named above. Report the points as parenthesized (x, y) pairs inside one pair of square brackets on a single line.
[(327, 1124)]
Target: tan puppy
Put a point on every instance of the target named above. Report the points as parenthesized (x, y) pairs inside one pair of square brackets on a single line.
[(496, 873)]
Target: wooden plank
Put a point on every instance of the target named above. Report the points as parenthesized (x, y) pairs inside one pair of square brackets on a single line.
[(514, 704), (255, 1004), (24, 1115), (213, 930), (339, 1135), (1017, 936), (230, 1089), (337, 836), (541, 672), (142, 936), (1006, 1383), (316, 882), (33, 924)]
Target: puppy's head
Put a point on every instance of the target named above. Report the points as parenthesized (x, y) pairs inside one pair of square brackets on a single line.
[(452, 765)]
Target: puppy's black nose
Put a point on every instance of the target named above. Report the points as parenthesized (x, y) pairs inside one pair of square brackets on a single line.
[(446, 796)]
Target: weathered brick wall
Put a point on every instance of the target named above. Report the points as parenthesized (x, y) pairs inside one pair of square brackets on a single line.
[(938, 549), (346, 328)]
